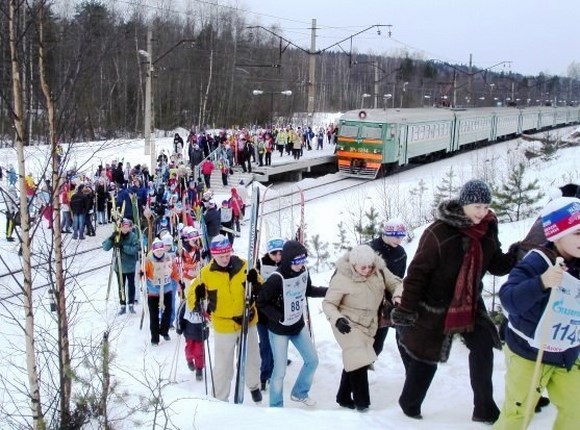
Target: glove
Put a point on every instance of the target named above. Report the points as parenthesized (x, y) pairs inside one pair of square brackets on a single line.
[(514, 248), (141, 274), (181, 287), (402, 317), (200, 292), (117, 243), (342, 325), (252, 276)]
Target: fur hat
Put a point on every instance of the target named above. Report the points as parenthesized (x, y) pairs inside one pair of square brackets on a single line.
[(220, 245), (395, 228), (473, 192), (561, 217), (362, 255)]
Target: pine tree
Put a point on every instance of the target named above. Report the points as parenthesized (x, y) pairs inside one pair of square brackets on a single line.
[(367, 229), (341, 245), (320, 252), (417, 198), (515, 200), (447, 189)]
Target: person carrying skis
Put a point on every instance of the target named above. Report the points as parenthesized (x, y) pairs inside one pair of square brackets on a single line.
[(190, 323), (282, 299), (128, 244), (222, 281), (543, 289), (266, 266), (162, 276)]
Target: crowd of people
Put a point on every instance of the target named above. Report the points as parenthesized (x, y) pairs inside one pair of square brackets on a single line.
[(174, 239)]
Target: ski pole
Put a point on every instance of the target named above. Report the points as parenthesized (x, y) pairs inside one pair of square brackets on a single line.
[(544, 333)]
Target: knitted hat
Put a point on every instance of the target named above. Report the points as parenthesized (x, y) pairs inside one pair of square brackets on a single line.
[(362, 254), (220, 245), (474, 192), (126, 223), (190, 232), (275, 244), (561, 217), (395, 228), (570, 190), (157, 244), (299, 259)]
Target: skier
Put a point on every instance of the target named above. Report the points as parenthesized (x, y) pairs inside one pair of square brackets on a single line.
[(282, 300), (222, 281), (266, 266), (190, 323), (128, 244), (526, 296), (162, 277)]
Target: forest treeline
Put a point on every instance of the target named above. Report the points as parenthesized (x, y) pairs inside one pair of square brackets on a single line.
[(206, 65)]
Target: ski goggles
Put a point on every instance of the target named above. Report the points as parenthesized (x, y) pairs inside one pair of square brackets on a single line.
[(299, 259)]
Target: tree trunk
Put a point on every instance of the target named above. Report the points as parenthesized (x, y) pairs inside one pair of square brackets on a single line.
[(18, 121), (63, 342)]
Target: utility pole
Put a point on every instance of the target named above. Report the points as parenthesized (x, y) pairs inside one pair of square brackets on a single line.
[(376, 89), (147, 132), (312, 74), (470, 79)]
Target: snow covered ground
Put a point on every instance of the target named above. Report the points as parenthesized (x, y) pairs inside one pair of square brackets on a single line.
[(137, 365)]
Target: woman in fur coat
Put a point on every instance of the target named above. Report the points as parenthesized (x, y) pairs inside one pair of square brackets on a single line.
[(352, 301)]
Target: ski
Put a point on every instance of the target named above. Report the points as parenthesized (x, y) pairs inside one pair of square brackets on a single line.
[(242, 345), (301, 239)]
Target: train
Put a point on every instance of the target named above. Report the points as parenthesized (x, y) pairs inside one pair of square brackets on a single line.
[(374, 142)]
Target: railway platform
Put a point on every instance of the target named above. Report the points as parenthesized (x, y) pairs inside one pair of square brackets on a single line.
[(286, 168)]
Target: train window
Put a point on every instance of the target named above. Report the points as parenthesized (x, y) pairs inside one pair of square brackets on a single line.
[(349, 131), (371, 132)]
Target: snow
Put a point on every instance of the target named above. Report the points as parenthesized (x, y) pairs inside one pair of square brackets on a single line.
[(449, 401)]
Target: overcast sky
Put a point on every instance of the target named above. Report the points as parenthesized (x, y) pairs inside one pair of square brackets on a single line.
[(535, 35)]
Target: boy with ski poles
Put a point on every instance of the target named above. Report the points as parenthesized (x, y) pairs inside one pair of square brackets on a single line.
[(541, 297)]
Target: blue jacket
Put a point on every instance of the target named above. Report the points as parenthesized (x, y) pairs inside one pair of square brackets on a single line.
[(525, 299)]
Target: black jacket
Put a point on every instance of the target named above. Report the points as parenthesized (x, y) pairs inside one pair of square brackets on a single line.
[(271, 298), (213, 222), (395, 258)]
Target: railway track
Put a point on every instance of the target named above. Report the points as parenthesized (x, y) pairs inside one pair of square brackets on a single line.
[(311, 193)]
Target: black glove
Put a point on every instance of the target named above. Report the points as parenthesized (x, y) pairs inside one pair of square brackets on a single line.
[(239, 320), (342, 325), (182, 285), (252, 276), (141, 274), (402, 317), (200, 291)]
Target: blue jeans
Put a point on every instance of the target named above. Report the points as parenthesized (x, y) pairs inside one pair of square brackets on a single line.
[(303, 383), (66, 223), (267, 365), (79, 226)]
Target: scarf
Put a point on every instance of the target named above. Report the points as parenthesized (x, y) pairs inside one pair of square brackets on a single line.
[(461, 313)]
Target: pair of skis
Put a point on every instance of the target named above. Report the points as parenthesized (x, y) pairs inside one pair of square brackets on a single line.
[(243, 341)]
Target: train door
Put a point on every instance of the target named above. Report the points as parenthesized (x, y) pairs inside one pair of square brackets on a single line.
[(402, 133)]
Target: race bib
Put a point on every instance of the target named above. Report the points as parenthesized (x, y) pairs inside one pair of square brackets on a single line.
[(294, 293), (563, 316)]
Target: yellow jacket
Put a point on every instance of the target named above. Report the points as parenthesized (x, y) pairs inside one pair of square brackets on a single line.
[(225, 292)]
